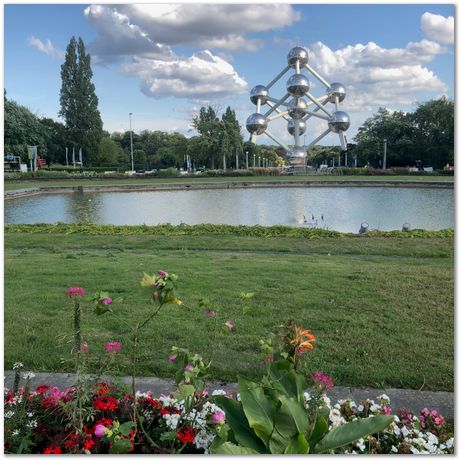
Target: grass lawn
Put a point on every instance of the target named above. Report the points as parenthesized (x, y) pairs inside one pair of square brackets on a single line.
[(381, 308), (14, 185)]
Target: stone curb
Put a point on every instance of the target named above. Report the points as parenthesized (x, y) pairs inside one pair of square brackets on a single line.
[(414, 400)]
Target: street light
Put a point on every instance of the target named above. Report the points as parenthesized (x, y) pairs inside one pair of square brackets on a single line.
[(131, 135), (247, 163)]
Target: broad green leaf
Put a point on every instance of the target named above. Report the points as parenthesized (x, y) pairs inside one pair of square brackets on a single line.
[(319, 430), (228, 448), (290, 420), (288, 382), (297, 445), (184, 391), (125, 428), (168, 436), (121, 446), (234, 416), (344, 434), (259, 409)]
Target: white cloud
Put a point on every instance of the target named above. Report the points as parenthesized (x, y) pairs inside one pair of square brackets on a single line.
[(140, 28), (438, 28), (47, 48), (379, 76), (201, 76)]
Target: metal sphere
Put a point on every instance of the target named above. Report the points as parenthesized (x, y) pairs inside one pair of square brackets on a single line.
[(336, 89), (340, 121), (296, 156), (297, 108), (291, 127), (298, 85), (259, 92), (297, 54), (256, 123)]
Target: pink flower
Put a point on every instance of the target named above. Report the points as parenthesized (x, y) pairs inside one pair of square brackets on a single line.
[(107, 301), (323, 380), (434, 414), (162, 273), (438, 420), (422, 421), (386, 410), (209, 313), (230, 325), (188, 368), (99, 430), (172, 358), (218, 418), (84, 347), (112, 347), (55, 393), (425, 412), (75, 292)]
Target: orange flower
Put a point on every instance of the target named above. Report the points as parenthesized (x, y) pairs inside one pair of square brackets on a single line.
[(303, 339)]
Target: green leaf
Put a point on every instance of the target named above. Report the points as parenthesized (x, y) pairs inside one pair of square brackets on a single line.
[(234, 416), (121, 446), (290, 420), (297, 445), (184, 391), (228, 448), (259, 410), (319, 430), (288, 381), (344, 434), (125, 428), (168, 436)]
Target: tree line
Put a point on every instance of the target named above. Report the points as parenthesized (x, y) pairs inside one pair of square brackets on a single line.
[(426, 135)]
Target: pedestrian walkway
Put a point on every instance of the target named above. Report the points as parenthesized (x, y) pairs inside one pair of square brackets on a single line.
[(414, 400)]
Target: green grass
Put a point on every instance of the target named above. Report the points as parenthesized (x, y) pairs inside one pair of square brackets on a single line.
[(382, 309), (13, 185)]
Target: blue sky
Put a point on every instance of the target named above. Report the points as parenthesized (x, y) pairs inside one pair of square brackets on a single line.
[(162, 62)]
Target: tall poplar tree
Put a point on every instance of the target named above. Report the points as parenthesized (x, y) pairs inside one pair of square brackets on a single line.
[(79, 103)]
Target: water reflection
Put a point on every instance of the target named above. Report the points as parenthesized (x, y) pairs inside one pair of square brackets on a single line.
[(340, 209)]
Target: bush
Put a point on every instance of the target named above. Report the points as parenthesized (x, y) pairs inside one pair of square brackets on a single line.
[(169, 172)]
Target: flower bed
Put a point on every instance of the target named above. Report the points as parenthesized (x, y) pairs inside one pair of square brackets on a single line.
[(274, 415)]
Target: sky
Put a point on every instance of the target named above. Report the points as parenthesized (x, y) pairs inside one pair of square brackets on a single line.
[(162, 62)]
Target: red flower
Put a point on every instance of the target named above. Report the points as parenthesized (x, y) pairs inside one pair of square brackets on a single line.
[(102, 388), (186, 434), (53, 450), (41, 389), (105, 403), (75, 292), (107, 422), (88, 443)]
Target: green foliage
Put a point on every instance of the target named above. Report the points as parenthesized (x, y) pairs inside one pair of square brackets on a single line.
[(22, 128), (426, 135), (79, 103), (272, 418), (110, 152), (216, 229)]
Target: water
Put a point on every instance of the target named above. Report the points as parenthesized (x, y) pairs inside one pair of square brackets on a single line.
[(342, 209)]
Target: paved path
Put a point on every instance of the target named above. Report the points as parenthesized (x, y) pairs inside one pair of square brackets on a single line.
[(414, 400)]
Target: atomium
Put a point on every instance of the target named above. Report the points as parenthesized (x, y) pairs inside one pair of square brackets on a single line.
[(297, 106)]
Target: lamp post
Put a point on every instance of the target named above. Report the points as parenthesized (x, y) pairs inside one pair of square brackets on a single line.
[(247, 163), (384, 154), (131, 135)]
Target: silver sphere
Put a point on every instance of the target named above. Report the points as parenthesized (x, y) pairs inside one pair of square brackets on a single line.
[(340, 121), (297, 54), (336, 89), (297, 108), (298, 85), (296, 156), (256, 124), (291, 127), (259, 92)]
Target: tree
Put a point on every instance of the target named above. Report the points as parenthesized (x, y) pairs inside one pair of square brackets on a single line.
[(110, 152), (434, 132), (22, 128), (231, 138), (79, 103), (208, 125)]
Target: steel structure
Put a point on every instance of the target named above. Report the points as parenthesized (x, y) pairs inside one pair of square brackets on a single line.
[(295, 110)]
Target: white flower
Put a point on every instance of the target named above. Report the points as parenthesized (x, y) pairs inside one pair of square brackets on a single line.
[(218, 392), (405, 431), (396, 430), (360, 444), (306, 396), (171, 420), (360, 408), (17, 366), (9, 414), (30, 414), (375, 408), (384, 397), (450, 443), (28, 375), (394, 449), (31, 424), (15, 432), (326, 401)]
